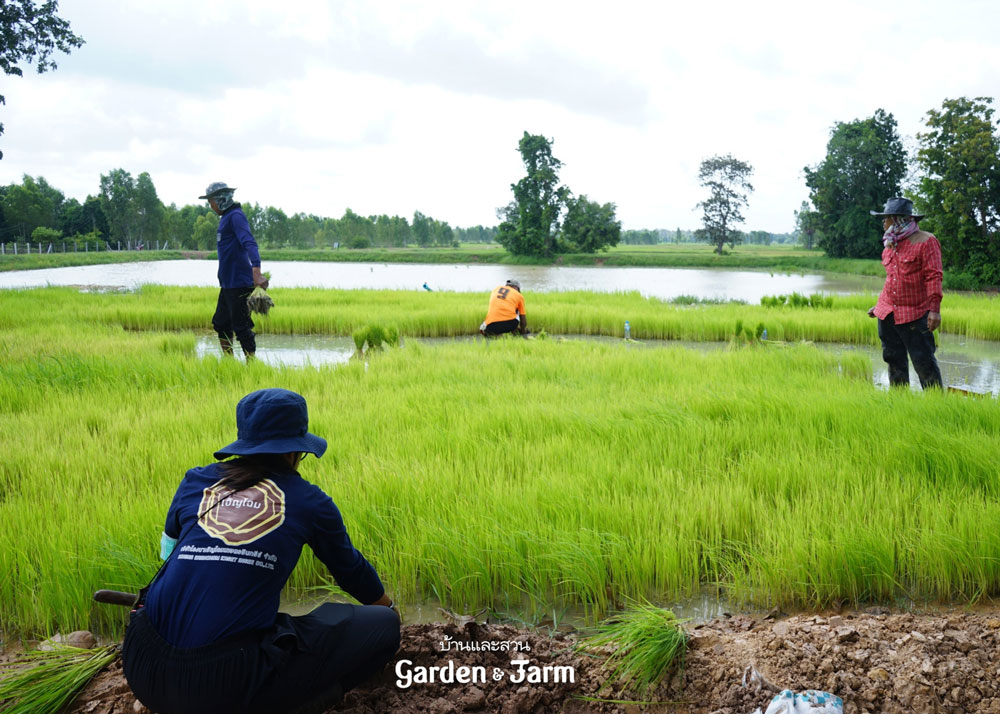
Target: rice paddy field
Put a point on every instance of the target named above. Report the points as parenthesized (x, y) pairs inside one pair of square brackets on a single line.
[(525, 476)]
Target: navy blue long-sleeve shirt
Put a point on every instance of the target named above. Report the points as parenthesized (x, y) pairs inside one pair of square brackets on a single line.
[(226, 574), (237, 249)]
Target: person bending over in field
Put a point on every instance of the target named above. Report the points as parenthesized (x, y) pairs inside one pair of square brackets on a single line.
[(909, 306), (239, 271), (506, 311), (206, 636)]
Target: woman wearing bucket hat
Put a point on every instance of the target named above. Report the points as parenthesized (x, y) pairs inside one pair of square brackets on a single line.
[(207, 635), (909, 306)]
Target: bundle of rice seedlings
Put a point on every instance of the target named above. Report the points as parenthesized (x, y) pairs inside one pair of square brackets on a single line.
[(43, 682), (259, 301), (646, 644)]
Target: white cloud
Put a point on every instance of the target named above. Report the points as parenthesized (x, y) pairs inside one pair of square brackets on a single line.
[(401, 106)]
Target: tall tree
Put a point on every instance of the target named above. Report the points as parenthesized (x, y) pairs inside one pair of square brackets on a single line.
[(148, 209), (590, 226), (728, 182), (529, 223), (118, 192), (807, 225), (865, 164), (959, 156), (30, 33), (30, 205), (421, 229)]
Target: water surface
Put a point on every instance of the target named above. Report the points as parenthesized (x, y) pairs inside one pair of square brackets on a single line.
[(664, 283), (965, 362)]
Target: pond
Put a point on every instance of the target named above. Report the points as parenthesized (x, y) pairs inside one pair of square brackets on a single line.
[(664, 283), (965, 362)]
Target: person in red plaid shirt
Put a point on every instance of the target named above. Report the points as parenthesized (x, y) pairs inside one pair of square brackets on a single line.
[(909, 306)]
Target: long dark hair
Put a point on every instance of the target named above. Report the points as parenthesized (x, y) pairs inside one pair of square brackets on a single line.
[(247, 471)]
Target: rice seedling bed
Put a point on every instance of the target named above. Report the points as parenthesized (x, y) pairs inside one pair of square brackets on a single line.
[(494, 474), (447, 314)]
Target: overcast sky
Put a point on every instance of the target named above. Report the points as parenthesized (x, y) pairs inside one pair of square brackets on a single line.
[(391, 107)]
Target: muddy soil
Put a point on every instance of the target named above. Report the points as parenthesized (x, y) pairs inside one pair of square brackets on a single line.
[(877, 661)]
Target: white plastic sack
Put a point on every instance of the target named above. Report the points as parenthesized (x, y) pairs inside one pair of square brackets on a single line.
[(810, 701)]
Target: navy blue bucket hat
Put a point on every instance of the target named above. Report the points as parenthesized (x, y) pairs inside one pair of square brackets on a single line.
[(272, 421)]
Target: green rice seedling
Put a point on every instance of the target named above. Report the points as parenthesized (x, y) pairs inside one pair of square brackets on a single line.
[(645, 643), (360, 336), (444, 314), (43, 682), (617, 473)]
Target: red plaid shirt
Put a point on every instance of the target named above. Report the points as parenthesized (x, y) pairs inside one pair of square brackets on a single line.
[(912, 281)]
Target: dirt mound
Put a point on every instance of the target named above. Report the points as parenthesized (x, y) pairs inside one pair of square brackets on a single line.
[(878, 662)]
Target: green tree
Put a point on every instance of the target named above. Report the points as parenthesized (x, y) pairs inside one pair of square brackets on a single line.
[(728, 182), (865, 164), (31, 204), (590, 226), (205, 227), (807, 225), (530, 222), (959, 156), (30, 33), (42, 234), (148, 209), (118, 195), (421, 229), (356, 230)]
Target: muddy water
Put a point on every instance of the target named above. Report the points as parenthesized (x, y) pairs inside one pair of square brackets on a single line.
[(665, 283), (965, 362)]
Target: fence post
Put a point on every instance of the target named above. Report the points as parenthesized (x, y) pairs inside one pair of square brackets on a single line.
[(15, 247), (86, 246)]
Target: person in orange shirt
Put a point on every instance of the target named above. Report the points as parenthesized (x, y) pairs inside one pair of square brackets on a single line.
[(506, 311)]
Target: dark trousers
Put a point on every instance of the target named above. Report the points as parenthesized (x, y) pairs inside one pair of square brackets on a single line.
[(501, 328), (911, 338), (232, 317), (302, 664)]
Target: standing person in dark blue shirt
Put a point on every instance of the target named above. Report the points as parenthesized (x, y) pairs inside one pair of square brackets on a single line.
[(208, 638), (239, 271)]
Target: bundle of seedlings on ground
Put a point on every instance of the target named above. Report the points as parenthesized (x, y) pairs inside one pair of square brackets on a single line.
[(43, 682), (646, 644), (375, 337)]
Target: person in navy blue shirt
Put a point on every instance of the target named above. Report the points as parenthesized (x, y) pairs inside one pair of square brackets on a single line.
[(207, 636), (239, 271)]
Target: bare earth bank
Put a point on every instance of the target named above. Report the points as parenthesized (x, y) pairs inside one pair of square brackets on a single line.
[(890, 663)]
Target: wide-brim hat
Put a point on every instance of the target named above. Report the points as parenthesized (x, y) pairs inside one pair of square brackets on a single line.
[(216, 188), (273, 421), (898, 207)]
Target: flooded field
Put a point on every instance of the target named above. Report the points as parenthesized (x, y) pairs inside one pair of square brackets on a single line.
[(665, 283), (965, 362)]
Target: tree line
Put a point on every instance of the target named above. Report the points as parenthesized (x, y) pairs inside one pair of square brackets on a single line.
[(127, 209), (953, 177)]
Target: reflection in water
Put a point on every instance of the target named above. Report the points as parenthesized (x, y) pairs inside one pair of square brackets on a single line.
[(664, 283), (965, 362)]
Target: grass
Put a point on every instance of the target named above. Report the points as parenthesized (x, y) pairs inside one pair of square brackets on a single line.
[(43, 682), (778, 257), (645, 643), (550, 472)]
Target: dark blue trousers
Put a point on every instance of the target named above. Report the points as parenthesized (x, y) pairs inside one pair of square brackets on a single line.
[(232, 317), (915, 340), (302, 664)]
